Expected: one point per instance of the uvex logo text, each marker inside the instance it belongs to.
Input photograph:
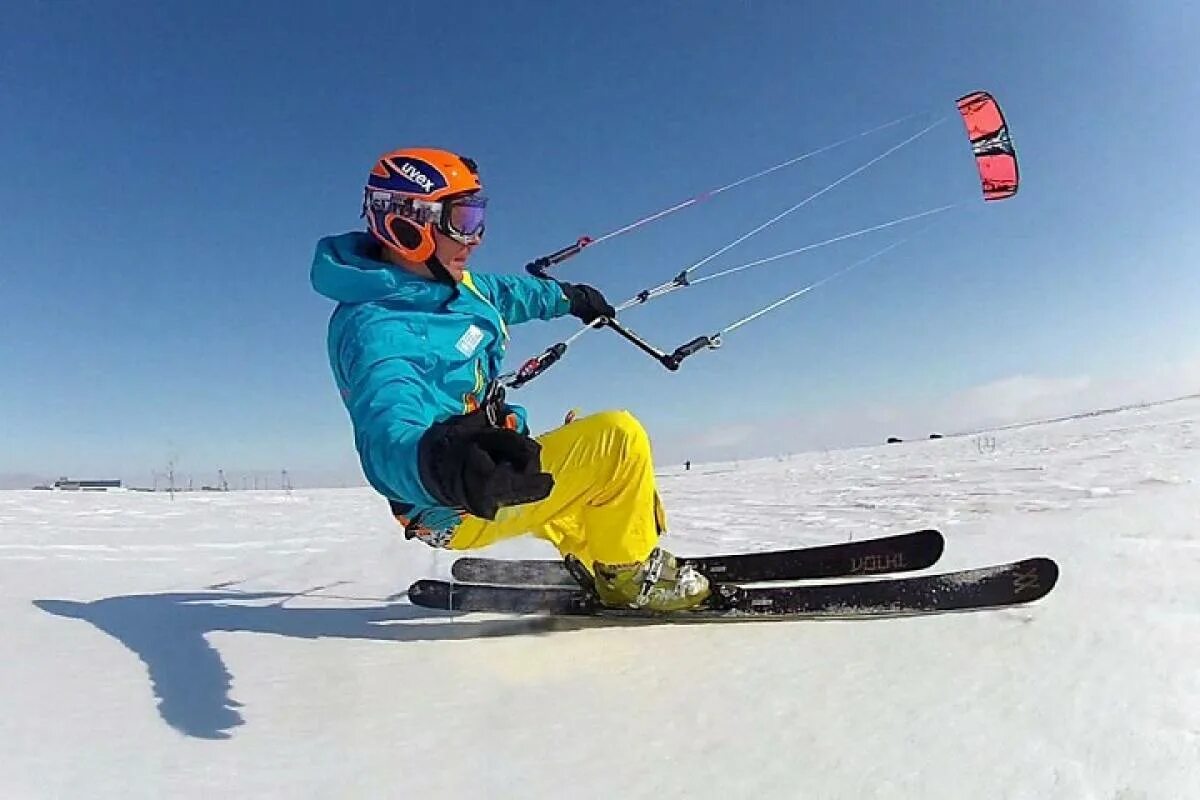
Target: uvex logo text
(416, 176)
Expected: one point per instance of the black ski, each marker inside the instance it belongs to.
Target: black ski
(966, 590)
(903, 552)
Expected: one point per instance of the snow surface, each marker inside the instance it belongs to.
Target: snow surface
(257, 644)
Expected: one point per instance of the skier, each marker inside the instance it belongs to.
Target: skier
(416, 343)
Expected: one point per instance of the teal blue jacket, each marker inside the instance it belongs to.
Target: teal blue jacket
(407, 352)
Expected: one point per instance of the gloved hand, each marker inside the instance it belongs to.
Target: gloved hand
(466, 463)
(587, 302)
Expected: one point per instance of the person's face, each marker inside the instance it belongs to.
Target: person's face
(452, 255)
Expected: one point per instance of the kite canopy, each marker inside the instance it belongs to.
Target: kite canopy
(995, 155)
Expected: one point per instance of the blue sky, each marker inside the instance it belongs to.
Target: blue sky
(168, 168)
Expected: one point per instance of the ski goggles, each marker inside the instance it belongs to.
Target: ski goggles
(460, 218)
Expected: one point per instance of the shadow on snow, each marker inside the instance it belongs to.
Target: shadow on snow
(187, 675)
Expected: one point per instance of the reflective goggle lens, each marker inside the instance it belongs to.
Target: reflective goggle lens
(465, 216)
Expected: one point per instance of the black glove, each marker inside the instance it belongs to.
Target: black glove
(587, 302)
(466, 463)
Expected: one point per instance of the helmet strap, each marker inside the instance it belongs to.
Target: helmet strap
(439, 271)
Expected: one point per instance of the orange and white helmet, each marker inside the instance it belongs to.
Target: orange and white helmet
(413, 190)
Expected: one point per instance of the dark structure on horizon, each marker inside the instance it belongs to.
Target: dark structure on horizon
(68, 485)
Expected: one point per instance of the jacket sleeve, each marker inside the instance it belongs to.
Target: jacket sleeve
(379, 376)
(520, 298)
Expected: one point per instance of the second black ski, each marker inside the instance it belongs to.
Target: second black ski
(903, 552)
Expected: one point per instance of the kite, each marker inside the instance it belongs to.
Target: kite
(995, 155)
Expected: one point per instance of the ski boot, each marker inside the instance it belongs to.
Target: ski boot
(659, 583)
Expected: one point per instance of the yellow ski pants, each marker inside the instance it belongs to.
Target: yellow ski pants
(604, 506)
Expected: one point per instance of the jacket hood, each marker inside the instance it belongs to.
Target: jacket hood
(346, 268)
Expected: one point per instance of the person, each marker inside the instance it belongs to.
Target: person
(416, 344)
